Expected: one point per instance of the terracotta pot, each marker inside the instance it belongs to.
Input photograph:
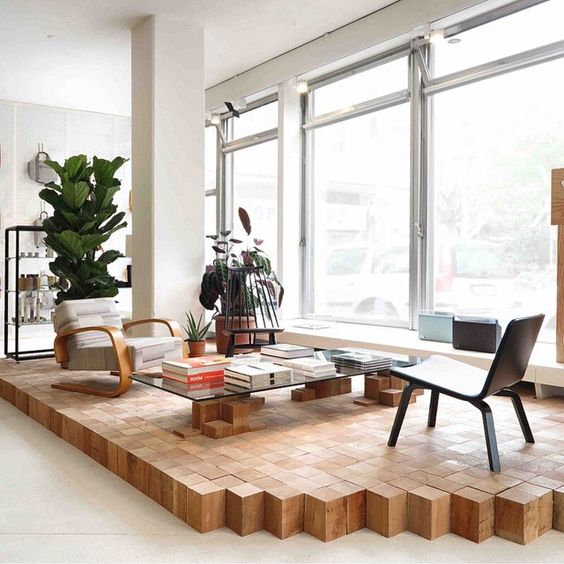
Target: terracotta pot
(222, 340)
(197, 348)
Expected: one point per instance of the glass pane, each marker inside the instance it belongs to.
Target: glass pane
(361, 217)
(527, 29)
(209, 225)
(210, 157)
(495, 144)
(255, 182)
(360, 87)
(255, 121)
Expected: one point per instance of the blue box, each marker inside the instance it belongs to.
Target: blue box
(436, 326)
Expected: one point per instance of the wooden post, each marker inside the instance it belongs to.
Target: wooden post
(557, 218)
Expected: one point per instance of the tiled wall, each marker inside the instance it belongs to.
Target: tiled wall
(63, 133)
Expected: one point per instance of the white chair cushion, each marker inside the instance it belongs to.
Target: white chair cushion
(447, 373)
(144, 352)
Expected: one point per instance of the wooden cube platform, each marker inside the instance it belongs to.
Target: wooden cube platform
(321, 467)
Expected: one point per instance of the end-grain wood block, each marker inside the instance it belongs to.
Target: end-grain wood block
(204, 411)
(254, 402)
(283, 511)
(428, 512)
(205, 507)
(325, 514)
(345, 385)
(397, 383)
(217, 429)
(326, 388)
(244, 509)
(374, 384)
(356, 505)
(237, 413)
(523, 513)
(558, 523)
(303, 394)
(365, 402)
(472, 514)
(386, 510)
(391, 397)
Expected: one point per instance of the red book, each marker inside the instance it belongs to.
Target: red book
(216, 376)
(195, 387)
(188, 366)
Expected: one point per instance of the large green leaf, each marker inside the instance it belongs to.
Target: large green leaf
(75, 167)
(58, 169)
(54, 199)
(75, 194)
(92, 242)
(108, 257)
(104, 170)
(70, 244)
(104, 196)
(113, 222)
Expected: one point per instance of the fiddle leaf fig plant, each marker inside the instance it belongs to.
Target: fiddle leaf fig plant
(84, 218)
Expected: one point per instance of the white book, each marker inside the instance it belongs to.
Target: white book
(284, 350)
(308, 374)
(311, 364)
(249, 371)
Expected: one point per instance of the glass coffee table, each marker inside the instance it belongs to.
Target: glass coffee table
(224, 410)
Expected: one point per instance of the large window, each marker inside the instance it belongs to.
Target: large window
(358, 260)
(210, 179)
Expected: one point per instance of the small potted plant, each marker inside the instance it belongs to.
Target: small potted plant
(196, 334)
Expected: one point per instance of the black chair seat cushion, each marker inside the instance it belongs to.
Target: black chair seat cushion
(446, 375)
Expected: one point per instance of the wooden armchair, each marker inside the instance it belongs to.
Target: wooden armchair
(91, 336)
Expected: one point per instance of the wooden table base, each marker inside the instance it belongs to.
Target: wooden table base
(382, 387)
(323, 389)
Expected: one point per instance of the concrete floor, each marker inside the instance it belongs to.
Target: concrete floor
(57, 505)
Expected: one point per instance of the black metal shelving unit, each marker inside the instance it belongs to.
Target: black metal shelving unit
(12, 242)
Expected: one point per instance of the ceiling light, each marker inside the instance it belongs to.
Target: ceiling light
(437, 35)
(51, 36)
(242, 104)
(301, 87)
(454, 40)
(215, 119)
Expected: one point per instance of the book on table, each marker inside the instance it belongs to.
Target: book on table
(202, 377)
(198, 365)
(362, 360)
(283, 350)
(308, 367)
(257, 375)
(193, 387)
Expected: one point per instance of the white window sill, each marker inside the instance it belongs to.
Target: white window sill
(543, 368)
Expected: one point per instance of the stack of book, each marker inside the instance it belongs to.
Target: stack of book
(274, 352)
(362, 360)
(257, 375)
(309, 367)
(193, 374)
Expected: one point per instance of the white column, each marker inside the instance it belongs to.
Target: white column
(167, 167)
(289, 197)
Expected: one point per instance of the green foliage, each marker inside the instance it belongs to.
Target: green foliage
(84, 218)
(196, 330)
(213, 289)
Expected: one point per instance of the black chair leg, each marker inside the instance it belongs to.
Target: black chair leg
(520, 412)
(400, 414)
(489, 431)
(272, 338)
(432, 419)
(230, 346)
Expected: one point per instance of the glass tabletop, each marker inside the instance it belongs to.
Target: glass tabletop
(203, 391)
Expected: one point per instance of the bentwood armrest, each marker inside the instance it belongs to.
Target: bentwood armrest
(123, 362)
(171, 325)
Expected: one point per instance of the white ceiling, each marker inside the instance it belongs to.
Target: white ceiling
(239, 33)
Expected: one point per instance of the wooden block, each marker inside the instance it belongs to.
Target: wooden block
(374, 384)
(303, 394)
(325, 514)
(179, 499)
(205, 507)
(99, 449)
(217, 429)
(558, 523)
(283, 511)
(356, 504)
(345, 386)
(418, 392)
(523, 513)
(391, 397)
(244, 509)
(386, 510)
(204, 411)
(237, 413)
(428, 512)
(557, 197)
(472, 514)
(365, 402)
(254, 402)
(397, 383)
(326, 388)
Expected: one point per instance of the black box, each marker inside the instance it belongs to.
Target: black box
(479, 334)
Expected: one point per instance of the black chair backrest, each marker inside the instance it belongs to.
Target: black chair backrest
(512, 356)
(250, 299)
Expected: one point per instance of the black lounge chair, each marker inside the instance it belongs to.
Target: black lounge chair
(443, 375)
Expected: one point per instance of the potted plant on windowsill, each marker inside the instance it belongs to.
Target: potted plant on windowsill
(213, 292)
(196, 332)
